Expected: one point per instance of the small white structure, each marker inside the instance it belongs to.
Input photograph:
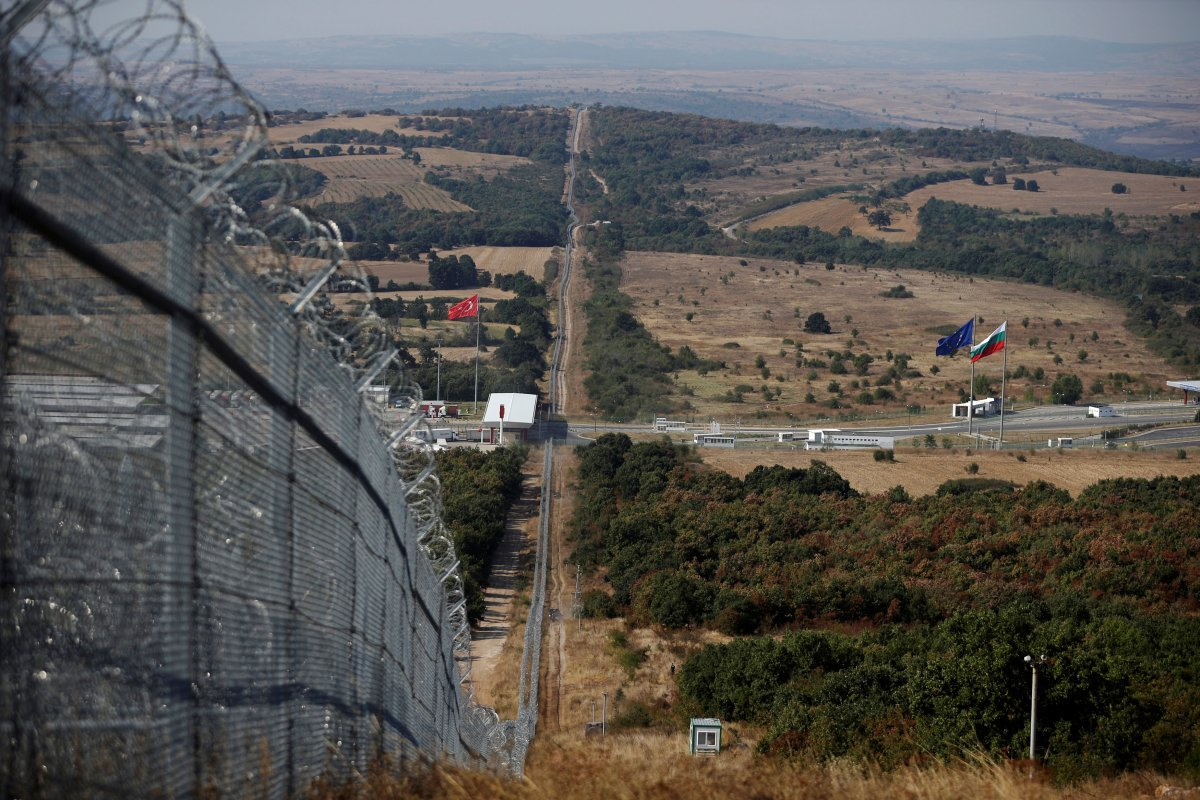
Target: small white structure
(713, 440)
(1063, 441)
(785, 436)
(1102, 410)
(663, 425)
(435, 435)
(509, 411)
(377, 394)
(836, 439)
(983, 407)
(705, 736)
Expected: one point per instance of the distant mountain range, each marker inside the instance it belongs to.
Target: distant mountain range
(1131, 98)
(704, 50)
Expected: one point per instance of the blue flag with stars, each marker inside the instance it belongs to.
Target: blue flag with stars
(960, 338)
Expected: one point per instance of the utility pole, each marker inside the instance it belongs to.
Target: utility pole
(604, 716)
(1033, 665)
(576, 605)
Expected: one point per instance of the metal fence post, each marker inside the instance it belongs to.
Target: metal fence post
(283, 363)
(180, 645)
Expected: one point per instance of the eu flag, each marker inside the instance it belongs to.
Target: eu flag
(960, 338)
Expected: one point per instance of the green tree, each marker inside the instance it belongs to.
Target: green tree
(880, 218)
(1067, 389)
(816, 323)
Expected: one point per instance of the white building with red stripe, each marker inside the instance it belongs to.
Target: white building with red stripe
(512, 413)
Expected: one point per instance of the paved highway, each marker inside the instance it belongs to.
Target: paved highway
(1061, 420)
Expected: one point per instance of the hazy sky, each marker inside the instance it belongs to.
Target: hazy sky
(1112, 20)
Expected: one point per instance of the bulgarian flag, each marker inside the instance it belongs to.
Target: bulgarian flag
(467, 308)
(992, 344)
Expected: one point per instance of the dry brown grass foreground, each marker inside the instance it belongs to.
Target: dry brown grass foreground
(651, 766)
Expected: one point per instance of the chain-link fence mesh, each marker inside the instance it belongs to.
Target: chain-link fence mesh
(222, 570)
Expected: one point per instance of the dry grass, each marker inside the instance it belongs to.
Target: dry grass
(833, 213)
(351, 177)
(508, 260)
(1074, 190)
(923, 471)
(737, 312)
(651, 767)
(1069, 190)
(486, 164)
(376, 123)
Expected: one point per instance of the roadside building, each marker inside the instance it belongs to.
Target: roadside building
(836, 439)
(983, 407)
(1191, 387)
(513, 413)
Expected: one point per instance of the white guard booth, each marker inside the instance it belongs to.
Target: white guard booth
(705, 736)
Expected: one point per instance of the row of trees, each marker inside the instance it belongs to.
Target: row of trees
(478, 489)
(452, 272)
(629, 370)
(288, 151)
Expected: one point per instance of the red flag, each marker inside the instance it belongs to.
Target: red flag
(467, 308)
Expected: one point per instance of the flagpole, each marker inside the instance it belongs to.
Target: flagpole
(478, 321)
(1003, 379)
(971, 403)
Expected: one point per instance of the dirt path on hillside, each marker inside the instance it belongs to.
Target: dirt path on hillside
(579, 288)
(559, 600)
(603, 183)
(490, 632)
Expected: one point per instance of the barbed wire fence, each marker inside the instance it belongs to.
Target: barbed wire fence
(513, 737)
(222, 562)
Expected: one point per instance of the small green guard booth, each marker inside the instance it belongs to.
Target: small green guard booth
(705, 736)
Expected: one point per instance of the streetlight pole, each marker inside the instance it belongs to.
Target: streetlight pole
(1033, 665)
(439, 371)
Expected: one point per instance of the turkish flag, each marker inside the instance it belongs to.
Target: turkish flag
(467, 308)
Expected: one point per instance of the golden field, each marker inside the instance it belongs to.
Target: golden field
(351, 177)
(508, 260)
(1067, 190)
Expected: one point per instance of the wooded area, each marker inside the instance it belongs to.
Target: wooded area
(951, 589)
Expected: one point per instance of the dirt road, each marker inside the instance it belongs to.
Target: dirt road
(490, 632)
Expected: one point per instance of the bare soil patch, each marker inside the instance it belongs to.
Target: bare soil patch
(922, 472)
(833, 213)
(764, 303)
(1067, 190)
(504, 577)
(508, 260)
(1074, 190)
(351, 177)
(376, 123)
(486, 164)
